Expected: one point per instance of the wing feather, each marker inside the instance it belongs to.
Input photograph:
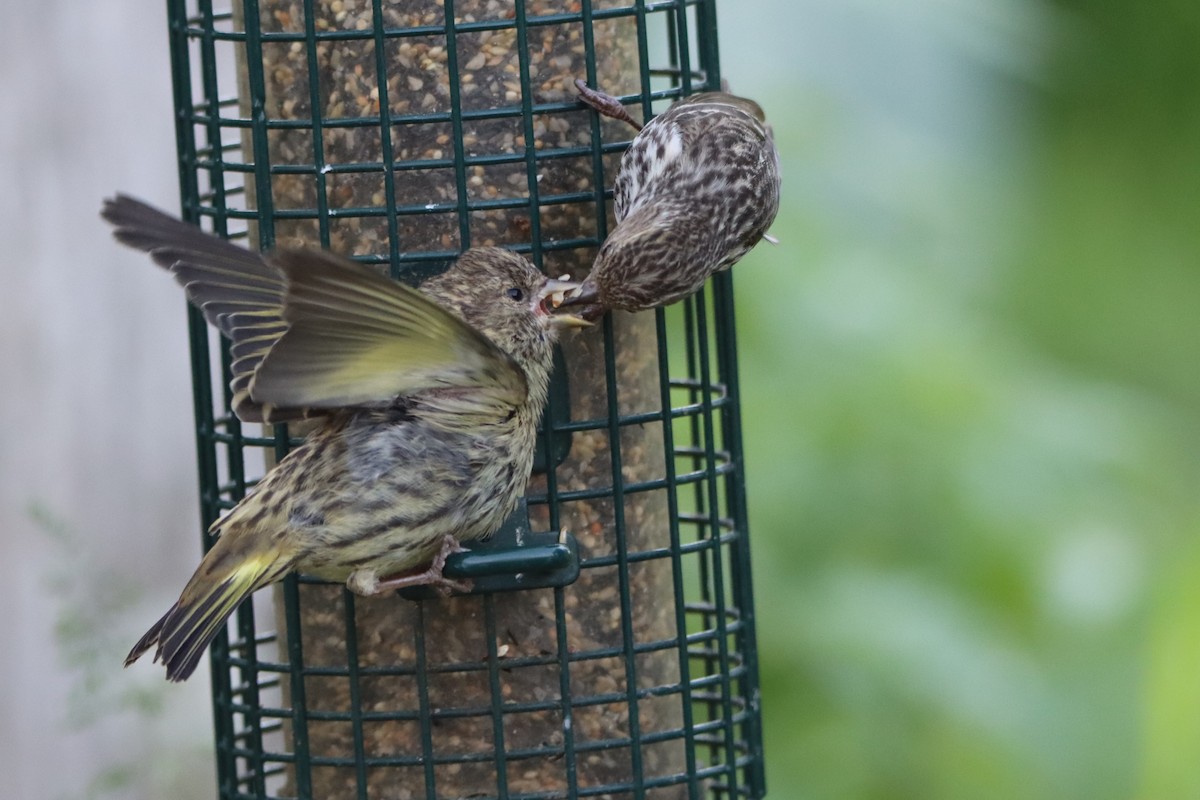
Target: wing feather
(355, 337)
(235, 289)
(312, 332)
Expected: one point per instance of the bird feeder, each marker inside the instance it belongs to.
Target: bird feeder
(608, 647)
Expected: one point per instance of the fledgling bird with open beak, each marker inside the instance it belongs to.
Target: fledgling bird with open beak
(427, 406)
(695, 191)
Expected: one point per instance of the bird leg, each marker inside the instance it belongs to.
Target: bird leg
(604, 103)
(432, 576)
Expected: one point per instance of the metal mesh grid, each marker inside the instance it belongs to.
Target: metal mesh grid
(282, 139)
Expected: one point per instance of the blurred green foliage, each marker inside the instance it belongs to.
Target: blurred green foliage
(973, 440)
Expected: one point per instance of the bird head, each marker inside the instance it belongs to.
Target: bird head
(504, 297)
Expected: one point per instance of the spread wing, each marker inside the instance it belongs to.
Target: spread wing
(313, 332)
(357, 338)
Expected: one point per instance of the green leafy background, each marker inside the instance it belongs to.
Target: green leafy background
(971, 382)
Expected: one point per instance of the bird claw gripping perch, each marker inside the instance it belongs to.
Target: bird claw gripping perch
(432, 576)
(604, 103)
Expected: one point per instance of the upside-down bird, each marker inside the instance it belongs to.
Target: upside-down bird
(695, 191)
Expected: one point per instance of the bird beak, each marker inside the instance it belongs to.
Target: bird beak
(584, 302)
(552, 297)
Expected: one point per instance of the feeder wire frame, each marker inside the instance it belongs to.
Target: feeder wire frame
(715, 640)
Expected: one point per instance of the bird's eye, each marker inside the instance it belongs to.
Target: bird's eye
(516, 294)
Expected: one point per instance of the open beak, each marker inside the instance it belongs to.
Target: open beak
(552, 297)
(583, 302)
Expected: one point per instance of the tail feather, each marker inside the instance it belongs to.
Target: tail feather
(186, 630)
(149, 640)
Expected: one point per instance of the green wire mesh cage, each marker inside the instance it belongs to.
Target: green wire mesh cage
(402, 132)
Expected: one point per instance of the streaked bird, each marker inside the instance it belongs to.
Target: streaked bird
(426, 405)
(695, 191)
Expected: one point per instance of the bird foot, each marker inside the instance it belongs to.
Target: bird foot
(604, 103)
(431, 576)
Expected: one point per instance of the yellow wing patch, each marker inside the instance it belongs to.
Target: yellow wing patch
(355, 337)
